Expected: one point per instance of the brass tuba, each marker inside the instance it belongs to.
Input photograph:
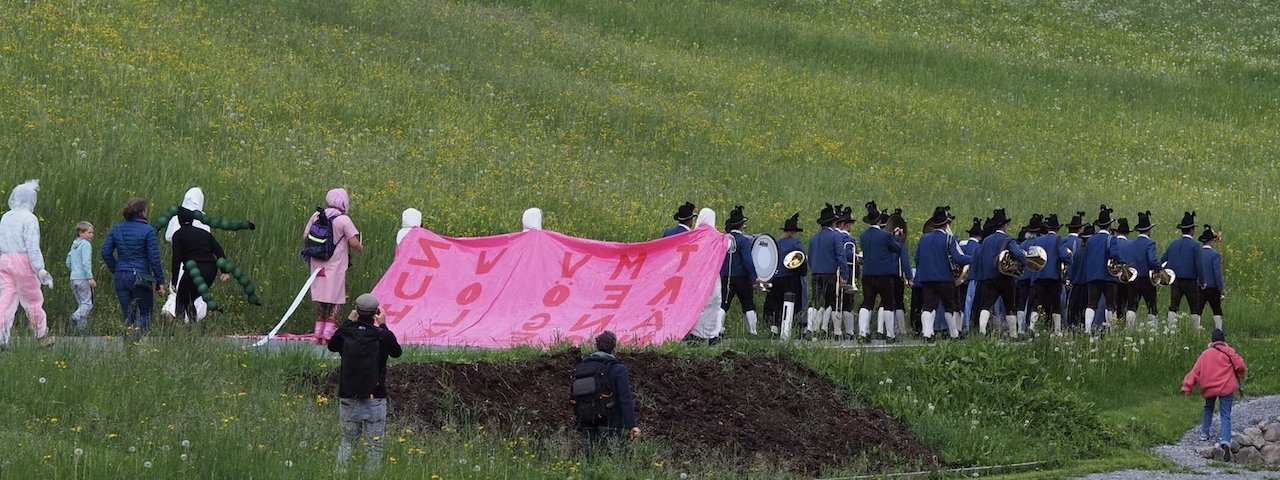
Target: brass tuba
(793, 260)
(1163, 277)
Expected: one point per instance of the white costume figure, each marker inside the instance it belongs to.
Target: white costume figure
(410, 219)
(194, 201)
(707, 327)
(22, 265)
(532, 219)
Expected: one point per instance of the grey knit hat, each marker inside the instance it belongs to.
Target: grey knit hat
(367, 303)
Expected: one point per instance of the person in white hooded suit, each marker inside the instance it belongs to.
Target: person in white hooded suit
(193, 200)
(410, 219)
(22, 265)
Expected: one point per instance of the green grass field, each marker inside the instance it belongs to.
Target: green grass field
(607, 115)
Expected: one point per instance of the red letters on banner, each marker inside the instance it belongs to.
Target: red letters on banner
(403, 295)
(627, 262)
(428, 247)
(555, 296)
(670, 288)
(566, 270)
(617, 295)
(483, 267)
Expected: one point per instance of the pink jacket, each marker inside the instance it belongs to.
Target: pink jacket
(1214, 371)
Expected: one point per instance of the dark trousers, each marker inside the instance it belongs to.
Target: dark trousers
(773, 300)
(934, 292)
(602, 440)
(1046, 296)
(1122, 296)
(822, 290)
(185, 307)
(1212, 297)
(737, 287)
(998, 288)
(1184, 287)
(1099, 289)
(1142, 288)
(136, 301)
(1021, 296)
(877, 286)
(899, 294)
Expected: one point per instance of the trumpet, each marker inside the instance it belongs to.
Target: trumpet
(793, 260)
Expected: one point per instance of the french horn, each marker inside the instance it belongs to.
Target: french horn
(1163, 277)
(1122, 271)
(793, 260)
(1009, 265)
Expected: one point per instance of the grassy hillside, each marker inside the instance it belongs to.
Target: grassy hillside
(607, 115)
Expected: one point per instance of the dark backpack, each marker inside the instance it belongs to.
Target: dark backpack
(591, 393)
(361, 359)
(319, 243)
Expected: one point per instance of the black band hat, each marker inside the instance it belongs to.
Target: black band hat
(1051, 223)
(998, 218)
(1104, 217)
(1077, 221)
(1208, 235)
(939, 219)
(1144, 222)
(1122, 226)
(792, 224)
(826, 216)
(685, 212)
(1036, 225)
(976, 228)
(873, 213)
(736, 218)
(1188, 220)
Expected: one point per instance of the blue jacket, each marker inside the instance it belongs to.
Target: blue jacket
(677, 229)
(880, 253)
(620, 383)
(1183, 256)
(1056, 251)
(1141, 254)
(934, 256)
(904, 259)
(131, 247)
(1211, 268)
(984, 267)
(739, 262)
(1101, 246)
(827, 253)
(1075, 265)
(785, 246)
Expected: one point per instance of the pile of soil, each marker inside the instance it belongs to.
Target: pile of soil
(758, 407)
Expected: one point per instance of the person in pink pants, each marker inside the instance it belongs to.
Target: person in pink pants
(21, 265)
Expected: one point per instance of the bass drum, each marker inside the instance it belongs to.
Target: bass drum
(764, 254)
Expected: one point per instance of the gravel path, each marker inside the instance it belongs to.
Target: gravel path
(1185, 453)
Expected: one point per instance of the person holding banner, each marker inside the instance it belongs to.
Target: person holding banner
(684, 220)
(787, 279)
(738, 273)
(329, 290)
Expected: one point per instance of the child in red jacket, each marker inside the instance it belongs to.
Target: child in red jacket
(1218, 371)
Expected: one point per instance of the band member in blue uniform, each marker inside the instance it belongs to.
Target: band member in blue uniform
(1140, 253)
(843, 324)
(968, 290)
(1212, 287)
(995, 285)
(936, 255)
(1183, 257)
(684, 220)
(786, 280)
(898, 227)
(738, 273)
(827, 258)
(880, 267)
(1121, 305)
(1046, 284)
(1022, 285)
(1100, 248)
(1075, 282)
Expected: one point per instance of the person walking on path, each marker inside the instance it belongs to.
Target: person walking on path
(1218, 371)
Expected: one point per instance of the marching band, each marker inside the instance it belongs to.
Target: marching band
(1094, 277)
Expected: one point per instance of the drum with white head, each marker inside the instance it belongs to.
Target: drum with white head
(764, 254)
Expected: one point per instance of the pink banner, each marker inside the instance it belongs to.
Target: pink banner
(539, 287)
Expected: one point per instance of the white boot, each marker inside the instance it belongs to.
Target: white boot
(1217, 322)
(953, 325)
(1012, 322)
(1022, 319)
(1088, 319)
(900, 322)
(1057, 323)
(1130, 318)
(1173, 322)
(864, 322)
(720, 322)
(810, 319)
(1032, 321)
(824, 316)
(889, 329)
(850, 323)
(926, 324)
(983, 318)
(1108, 315)
(880, 322)
(837, 324)
(1195, 322)
(751, 322)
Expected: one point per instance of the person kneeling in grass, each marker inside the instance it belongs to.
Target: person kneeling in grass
(364, 344)
(1218, 371)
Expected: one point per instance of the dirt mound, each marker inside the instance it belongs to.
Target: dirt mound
(758, 407)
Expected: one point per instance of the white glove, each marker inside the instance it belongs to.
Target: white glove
(45, 278)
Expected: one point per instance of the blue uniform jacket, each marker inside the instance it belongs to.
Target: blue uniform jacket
(1141, 254)
(131, 247)
(984, 266)
(1211, 268)
(785, 246)
(827, 253)
(739, 262)
(880, 253)
(904, 259)
(1183, 256)
(1101, 246)
(677, 229)
(1056, 250)
(1075, 267)
(934, 255)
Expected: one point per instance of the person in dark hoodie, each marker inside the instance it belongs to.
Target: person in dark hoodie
(608, 431)
(364, 343)
(192, 243)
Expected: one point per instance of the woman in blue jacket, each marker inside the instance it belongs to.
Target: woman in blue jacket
(132, 255)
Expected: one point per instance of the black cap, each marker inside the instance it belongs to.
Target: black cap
(1188, 220)
(873, 214)
(976, 228)
(1218, 335)
(1144, 221)
(1104, 217)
